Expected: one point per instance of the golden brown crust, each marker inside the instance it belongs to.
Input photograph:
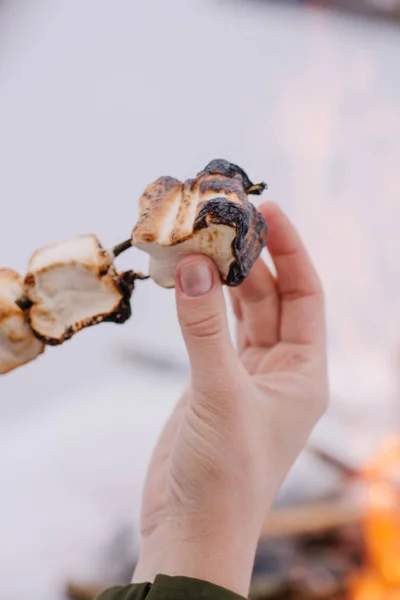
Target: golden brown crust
(10, 289)
(6, 366)
(9, 274)
(155, 202)
(211, 185)
(119, 313)
(80, 271)
(18, 344)
(104, 258)
(172, 213)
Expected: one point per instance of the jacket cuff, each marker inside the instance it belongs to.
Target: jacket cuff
(186, 588)
(137, 591)
(170, 588)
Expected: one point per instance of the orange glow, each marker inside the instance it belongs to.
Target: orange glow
(368, 586)
(380, 580)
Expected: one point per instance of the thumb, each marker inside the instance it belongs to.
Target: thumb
(202, 317)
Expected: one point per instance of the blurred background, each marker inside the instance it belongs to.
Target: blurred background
(97, 99)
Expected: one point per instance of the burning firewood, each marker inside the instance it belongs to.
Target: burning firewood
(311, 519)
(351, 473)
(18, 344)
(74, 284)
(209, 214)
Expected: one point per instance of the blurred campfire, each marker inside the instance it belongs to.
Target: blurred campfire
(379, 579)
(346, 547)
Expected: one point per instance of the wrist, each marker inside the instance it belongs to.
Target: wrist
(222, 559)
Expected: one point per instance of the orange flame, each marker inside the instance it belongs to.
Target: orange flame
(380, 580)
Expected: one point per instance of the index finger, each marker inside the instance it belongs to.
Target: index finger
(299, 287)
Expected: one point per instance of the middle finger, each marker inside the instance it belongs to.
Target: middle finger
(257, 302)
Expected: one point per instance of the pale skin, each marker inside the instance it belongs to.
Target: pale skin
(249, 411)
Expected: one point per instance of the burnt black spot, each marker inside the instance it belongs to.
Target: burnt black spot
(121, 315)
(261, 227)
(221, 211)
(218, 185)
(24, 303)
(48, 341)
(126, 284)
(251, 249)
(219, 166)
(124, 310)
(250, 238)
(236, 275)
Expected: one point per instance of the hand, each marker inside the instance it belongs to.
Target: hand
(235, 433)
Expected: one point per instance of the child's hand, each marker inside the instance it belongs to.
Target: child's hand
(236, 432)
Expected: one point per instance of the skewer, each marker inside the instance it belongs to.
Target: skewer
(117, 250)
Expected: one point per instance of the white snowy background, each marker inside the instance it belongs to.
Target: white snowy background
(96, 100)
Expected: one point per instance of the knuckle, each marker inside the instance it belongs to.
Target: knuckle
(207, 326)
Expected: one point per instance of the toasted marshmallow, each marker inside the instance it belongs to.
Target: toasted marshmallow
(209, 215)
(73, 285)
(18, 345)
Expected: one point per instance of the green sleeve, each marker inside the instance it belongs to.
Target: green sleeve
(170, 588)
(137, 591)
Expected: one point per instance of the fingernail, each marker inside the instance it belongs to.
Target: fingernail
(196, 279)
